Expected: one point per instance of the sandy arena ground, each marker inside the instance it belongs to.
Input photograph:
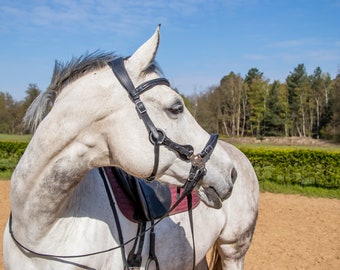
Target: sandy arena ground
(293, 232)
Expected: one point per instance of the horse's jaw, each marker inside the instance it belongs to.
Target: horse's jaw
(209, 196)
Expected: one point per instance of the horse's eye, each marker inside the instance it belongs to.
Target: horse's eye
(176, 109)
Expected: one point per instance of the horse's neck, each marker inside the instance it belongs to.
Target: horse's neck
(45, 178)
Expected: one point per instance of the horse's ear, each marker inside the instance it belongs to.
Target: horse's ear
(145, 54)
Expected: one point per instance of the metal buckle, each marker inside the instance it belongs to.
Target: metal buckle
(197, 160)
(140, 107)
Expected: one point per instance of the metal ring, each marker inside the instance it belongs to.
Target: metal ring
(160, 138)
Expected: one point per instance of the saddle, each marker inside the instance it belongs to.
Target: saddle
(151, 199)
(140, 200)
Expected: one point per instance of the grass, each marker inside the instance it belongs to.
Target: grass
(297, 144)
(15, 138)
(327, 148)
(267, 186)
(289, 147)
(4, 176)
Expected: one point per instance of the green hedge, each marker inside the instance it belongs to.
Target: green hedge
(10, 153)
(307, 167)
(297, 167)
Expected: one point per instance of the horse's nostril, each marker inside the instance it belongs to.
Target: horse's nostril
(233, 175)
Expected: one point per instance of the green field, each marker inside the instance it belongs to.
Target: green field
(15, 138)
(288, 147)
(284, 143)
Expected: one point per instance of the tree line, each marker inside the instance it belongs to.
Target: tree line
(304, 105)
(12, 111)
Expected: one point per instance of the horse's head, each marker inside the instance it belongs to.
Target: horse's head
(155, 135)
(100, 117)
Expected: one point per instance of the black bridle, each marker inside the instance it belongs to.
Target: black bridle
(157, 136)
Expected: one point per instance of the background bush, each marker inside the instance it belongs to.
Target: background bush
(297, 167)
(10, 153)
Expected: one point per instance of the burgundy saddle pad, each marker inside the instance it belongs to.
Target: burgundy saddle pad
(128, 206)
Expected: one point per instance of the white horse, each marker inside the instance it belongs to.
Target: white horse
(85, 120)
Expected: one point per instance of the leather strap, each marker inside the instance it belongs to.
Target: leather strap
(119, 70)
(152, 253)
(198, 170)
(191, 220)
(135, 256)
(115, 214)
(149, 84)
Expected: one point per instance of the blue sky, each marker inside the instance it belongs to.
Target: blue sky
(201, 41)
